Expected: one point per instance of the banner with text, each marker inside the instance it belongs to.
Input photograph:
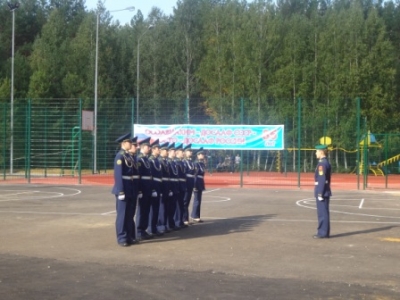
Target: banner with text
(234, 137)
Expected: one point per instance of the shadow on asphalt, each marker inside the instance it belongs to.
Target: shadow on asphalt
(362, 231)
(215, 228)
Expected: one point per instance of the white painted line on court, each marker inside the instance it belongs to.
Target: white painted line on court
(269, 219)
(50, 195)
(16, 194)
(300, 203)
(40, 197)
(77, 192)
(109, 213)
(48, 213)
(209, 191)
(311, 202)
(223, 199)
(361, 204)
(7, 196)
(335, 221)
(378, 208)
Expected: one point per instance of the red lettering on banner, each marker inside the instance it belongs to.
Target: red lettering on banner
(270, 134)
(183, 131)
(158, 132)
(231, 141)
(200, 141)
(216, 132)
(243, 132)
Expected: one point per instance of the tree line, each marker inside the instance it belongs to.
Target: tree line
(212, 53)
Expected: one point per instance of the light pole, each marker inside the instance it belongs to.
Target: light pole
(12, 7)
(96, 72)
(138, 72)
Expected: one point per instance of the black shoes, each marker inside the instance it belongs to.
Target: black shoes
(145, 236)
(320, 237)
(127, 244)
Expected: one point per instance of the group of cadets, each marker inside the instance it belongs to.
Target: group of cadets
(157, 186)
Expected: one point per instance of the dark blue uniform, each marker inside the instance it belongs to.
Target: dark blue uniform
(125, 191)
(165, 191)
(199, 187)
(178, 217)
(136, 188)
(323, 191)
(156, 171)
(173, 199)
(190, 173)
(146, 188)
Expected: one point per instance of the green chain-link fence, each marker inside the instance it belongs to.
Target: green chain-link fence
(47, 141)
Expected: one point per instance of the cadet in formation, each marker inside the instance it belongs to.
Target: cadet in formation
(165, 190)
(135, 182)
(160, 186)
(190, 174)
(174, 186)
(322, 192)
(156, 192)
(125, 191)
(181, 168)
(146, 191)
(199, 185)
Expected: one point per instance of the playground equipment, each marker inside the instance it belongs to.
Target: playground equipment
(369, 149)
(279, 162)
(375, 168)
(389, 161)
(368, 141)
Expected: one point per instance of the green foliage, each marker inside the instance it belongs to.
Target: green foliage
(5, 88)
(213, 53)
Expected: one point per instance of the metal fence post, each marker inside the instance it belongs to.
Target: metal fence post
(187, 111)
(80, 144)
(133, 116)
(298, 141)
(386, 158)
(105, 139)
(29, 140)
(63, 150)
(241, 151)
(248, 151)
(358, 142)
(4, 138)
(45, 141)
(365, 155)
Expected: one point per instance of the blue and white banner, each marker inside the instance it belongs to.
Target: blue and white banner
(234, 137)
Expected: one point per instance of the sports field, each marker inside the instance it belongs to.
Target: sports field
(58, 242)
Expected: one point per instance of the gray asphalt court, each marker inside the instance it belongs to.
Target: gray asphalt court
(58, 242)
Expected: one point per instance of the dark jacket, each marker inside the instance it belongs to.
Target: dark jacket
(323, 178)
(126, 175)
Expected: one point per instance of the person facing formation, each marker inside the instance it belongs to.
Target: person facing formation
(322, 192)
